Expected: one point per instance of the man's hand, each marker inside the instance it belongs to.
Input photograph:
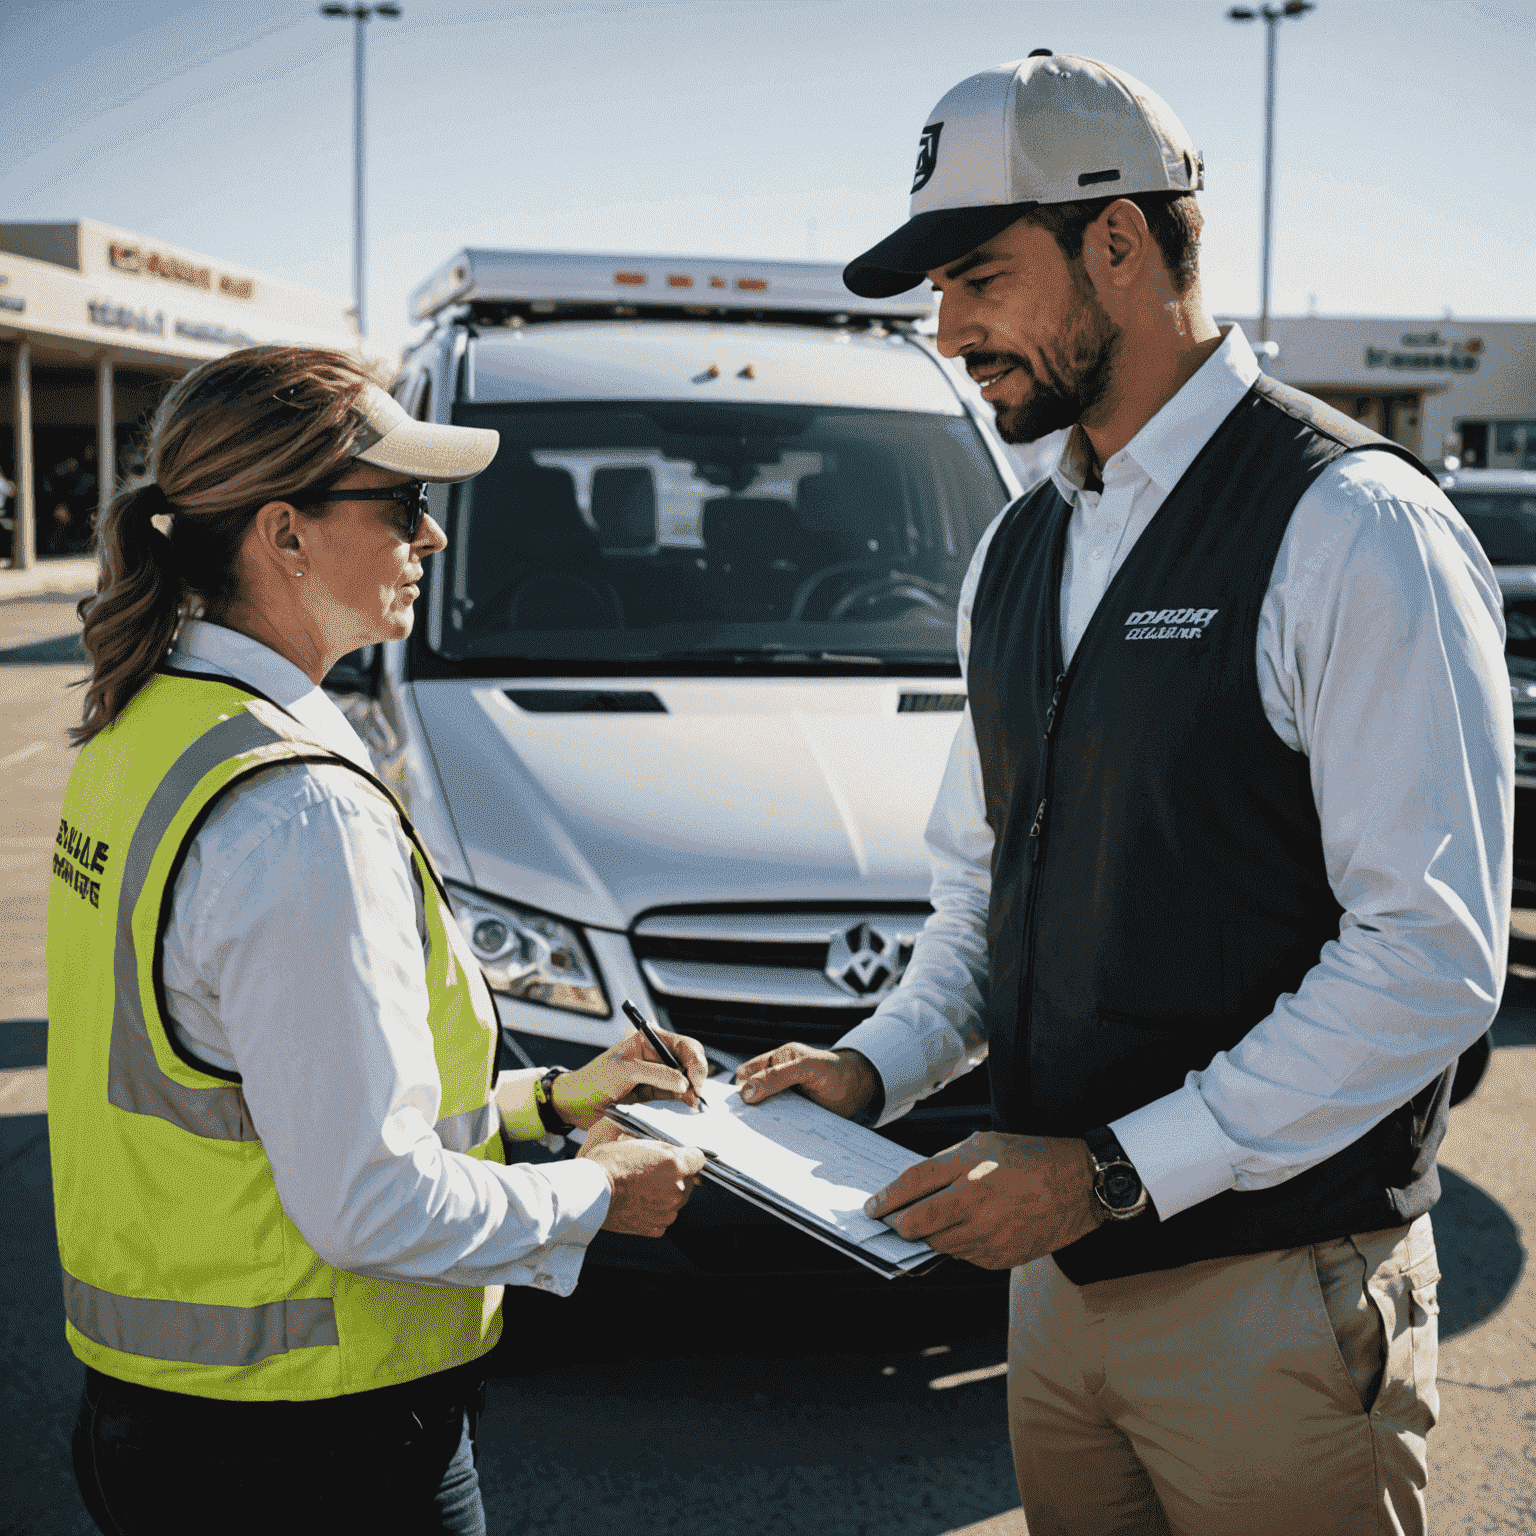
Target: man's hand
(843, 1081)
(629, 1073)
(995, 1200)
(648, 1182)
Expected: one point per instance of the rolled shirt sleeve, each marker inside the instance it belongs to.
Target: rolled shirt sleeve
(1381, 658)
(298, 931)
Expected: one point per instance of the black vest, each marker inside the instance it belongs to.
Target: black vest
(1158, 877)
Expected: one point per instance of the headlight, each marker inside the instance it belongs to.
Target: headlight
(529, 956)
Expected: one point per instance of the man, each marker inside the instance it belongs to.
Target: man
(1221, 858)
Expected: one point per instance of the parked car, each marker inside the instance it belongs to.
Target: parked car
(1500, 508)
(683, 684)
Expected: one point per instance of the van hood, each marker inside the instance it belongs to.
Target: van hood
(774, 790)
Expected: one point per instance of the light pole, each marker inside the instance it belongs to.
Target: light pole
(1271, 15)
(359, 15)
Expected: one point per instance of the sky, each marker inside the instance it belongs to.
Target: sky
(767, 128)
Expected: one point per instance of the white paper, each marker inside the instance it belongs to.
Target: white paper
(807, 1156)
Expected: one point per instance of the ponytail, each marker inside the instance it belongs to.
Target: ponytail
(132, 619)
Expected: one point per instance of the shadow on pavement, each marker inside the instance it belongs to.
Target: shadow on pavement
(44, 653)
(1481, 1255)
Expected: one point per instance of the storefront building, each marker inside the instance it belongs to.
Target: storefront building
(95, 323)
(1462, 389)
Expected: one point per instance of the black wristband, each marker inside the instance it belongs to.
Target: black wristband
(544, 1102)
(1105, 1146)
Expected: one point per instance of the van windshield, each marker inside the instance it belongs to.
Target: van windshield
(674, 536)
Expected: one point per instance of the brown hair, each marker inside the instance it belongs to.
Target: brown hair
(262, 424)
(1173, 219)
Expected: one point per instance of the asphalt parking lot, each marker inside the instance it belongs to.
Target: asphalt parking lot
(772, 1414)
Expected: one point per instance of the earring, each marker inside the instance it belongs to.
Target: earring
(298, 573)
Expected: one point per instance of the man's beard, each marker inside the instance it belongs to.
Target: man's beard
(1077, 364)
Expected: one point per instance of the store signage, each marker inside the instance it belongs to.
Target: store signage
(129, 258)
(1427, 352)
(125, 319)
(216, 335)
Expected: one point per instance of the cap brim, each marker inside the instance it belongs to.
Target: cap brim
(929, 240)
(424, 450)
(434, 451)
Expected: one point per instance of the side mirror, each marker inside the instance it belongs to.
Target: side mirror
(357, 672)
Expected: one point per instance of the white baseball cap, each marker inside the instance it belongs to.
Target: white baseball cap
(425, 450)
(1052, 128)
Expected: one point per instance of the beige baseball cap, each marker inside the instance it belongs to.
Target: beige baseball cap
(1052, 128)
(425, 450)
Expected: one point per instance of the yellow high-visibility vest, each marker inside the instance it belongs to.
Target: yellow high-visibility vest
(181, 1269)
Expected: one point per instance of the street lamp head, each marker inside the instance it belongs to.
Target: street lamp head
(334, 10)
(1240, 13)
(388, 10)
(1299, 7)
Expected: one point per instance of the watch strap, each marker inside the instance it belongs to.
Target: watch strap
(1104, 1146)
(1107, 1154)
(544, 1102)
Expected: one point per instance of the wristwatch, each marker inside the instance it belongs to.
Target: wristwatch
(1116, 1184)
(544, 1102)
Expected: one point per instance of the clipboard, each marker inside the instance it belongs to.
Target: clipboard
(801, 1163)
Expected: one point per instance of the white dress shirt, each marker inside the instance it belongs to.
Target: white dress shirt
(1380, 658)
(293, 958)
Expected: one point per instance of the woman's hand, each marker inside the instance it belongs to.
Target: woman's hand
(648, 1183)
(629, 1073)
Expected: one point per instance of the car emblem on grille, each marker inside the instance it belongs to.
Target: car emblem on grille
(864, 962)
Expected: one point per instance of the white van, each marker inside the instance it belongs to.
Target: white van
(683, 684)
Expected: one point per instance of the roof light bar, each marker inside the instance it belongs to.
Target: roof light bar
(549, 279)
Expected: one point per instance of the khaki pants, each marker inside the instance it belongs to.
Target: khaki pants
(1286, 1392)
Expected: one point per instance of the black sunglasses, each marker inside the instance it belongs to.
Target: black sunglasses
(412, 495)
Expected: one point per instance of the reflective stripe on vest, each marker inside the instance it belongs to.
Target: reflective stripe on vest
(462, 1133)
(134, 1079)
(198, 1332)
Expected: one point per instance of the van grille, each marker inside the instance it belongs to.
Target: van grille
(744, 982)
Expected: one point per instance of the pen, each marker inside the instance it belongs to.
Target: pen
(659, 1045)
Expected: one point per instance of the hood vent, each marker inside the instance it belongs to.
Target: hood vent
(927, 703)
(586, 701)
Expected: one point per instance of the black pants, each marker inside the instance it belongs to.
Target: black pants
(399, 1460)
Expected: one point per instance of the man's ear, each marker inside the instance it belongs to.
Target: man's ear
(1116, 246)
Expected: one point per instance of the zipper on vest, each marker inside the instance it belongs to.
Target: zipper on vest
(1034, 834)
(1050, 719)
(1037, 827)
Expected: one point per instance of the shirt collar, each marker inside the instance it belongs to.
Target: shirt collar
(202, 646)
(1166, 446)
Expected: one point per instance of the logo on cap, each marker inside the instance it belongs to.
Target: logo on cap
(927, 156)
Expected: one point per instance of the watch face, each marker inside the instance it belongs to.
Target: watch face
(1121, 1186)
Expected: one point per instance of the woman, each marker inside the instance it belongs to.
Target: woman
(284, 1215)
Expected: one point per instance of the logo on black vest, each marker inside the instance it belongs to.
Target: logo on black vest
(1169, 623)
(927, 156)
